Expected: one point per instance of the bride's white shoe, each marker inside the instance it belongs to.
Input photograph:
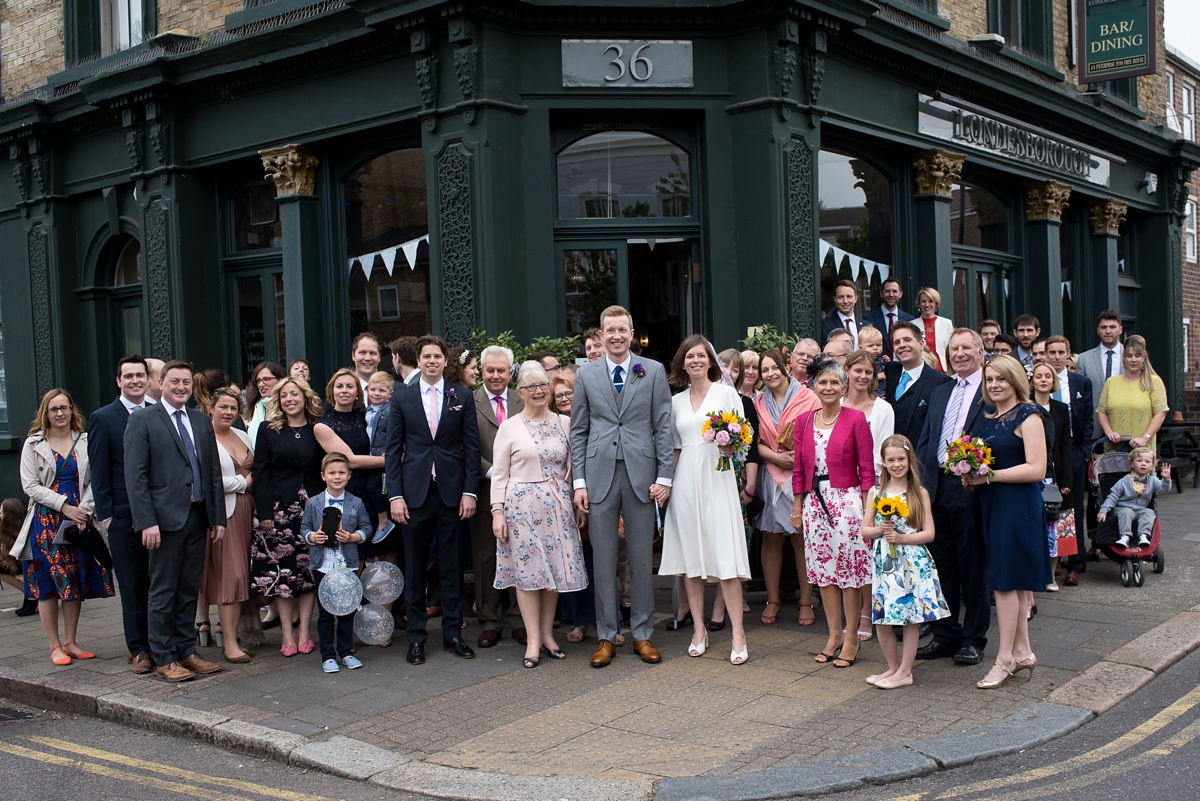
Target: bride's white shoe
(698, 650)
(740, 657)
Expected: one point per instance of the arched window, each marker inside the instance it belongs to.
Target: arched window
(856, 221)
(978, 218)
(126, 281)
(623, 174)
(387, 240)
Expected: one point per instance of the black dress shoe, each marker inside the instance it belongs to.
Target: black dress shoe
(936, 650)
(416, 654)
(968, 655)
(458, 648)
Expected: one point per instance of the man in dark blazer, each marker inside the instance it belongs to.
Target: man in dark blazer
(106, 455)
(888, 312)
(432, 466)
(957, 549)
(494, 403)
(910, 382)
(1078, 396)
(842, 315)
(173, 477)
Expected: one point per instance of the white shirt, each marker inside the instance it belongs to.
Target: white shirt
(1118, 352)
(849, 324)
(1064, 395)
(431, 401)
(187, 423)
(413, 377)
(130, 406)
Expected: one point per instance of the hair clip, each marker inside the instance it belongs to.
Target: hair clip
(465, 357)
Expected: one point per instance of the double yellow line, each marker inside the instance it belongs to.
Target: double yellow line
(181, 781)
(1135, 737)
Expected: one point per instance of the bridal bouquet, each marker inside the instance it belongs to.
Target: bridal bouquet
(727, 428)
(967, 455)
(892, 509)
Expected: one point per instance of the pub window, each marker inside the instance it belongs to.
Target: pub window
(623, 174)
(856, 221)
(1024, 24)
(1123, 89)
(1189, 230)
(978, 218)
(387, 241)
(256, 217)
(120, 24)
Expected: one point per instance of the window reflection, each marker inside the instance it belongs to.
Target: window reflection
(623, 174)
(591, 286)
(856, 217)
(256, 217)
(978, 218)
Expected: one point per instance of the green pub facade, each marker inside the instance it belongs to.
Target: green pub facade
(313, 171)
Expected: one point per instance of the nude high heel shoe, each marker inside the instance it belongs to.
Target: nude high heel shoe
(991, 684)
(1028, 663)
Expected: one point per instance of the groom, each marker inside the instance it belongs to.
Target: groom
(622, 457)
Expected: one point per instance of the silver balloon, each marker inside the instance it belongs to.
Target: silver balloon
(382, 582)
(373, 624)
(340, 592)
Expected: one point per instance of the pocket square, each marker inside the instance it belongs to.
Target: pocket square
(922, 403)
(1078, 396)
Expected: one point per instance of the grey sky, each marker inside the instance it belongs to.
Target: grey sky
(1183, 26)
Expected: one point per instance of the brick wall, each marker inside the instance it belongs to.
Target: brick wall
(197, 17)
(967, 18)
(31, 44)
(1186, 74)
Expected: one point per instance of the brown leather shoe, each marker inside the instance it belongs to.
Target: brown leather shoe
(646, 650)
(1072, 579)
(488, 638)
(175, 672)
(603, 654)
(433, 611)
(197, 665)
(521, 636)
(142, 663)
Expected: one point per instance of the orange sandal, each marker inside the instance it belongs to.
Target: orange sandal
(769, 620)
(811, 620)
(66, 659)
(82, 653)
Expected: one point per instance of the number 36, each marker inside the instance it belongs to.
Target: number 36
(646, 66)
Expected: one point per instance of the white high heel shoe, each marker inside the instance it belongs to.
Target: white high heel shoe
(739, 657)
(698, 650)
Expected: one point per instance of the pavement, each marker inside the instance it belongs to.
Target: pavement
(687, 728)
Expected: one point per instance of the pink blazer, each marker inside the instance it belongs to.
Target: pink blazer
(515, 458)
(849, 453)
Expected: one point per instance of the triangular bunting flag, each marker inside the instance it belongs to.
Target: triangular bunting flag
(410, 251)
(389, 258)
(368, 265)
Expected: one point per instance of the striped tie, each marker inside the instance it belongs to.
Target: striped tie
(950, 428)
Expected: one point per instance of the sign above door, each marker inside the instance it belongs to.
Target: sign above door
(627, 63)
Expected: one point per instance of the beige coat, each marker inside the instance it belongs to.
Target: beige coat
(37, 476)
(515, 458)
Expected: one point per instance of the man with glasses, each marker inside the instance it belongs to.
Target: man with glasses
(547, 360)
(494, 403)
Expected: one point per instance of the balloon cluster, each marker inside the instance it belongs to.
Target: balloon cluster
(342, 593)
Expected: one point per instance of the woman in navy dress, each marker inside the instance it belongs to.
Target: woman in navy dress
(1013, 520)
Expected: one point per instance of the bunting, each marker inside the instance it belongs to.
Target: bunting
(367, 260)
(857, 263)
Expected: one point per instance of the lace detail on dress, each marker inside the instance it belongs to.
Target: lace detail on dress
(1015, 416)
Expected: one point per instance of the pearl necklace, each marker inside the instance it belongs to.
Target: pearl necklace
(830, 422)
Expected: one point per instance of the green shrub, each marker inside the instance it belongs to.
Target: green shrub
(767, 336)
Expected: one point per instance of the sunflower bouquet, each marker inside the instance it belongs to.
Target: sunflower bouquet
(968, 455)
(728, 429)
(892, 509)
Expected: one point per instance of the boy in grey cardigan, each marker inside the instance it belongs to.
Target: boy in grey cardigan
(328, 552)
(1131, 497)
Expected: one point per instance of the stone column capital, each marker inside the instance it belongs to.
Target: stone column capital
(293, 168)
(937, 170)
(1106, 216)
(1045, 200)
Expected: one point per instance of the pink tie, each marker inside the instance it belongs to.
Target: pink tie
(499, 410)
(433, 420)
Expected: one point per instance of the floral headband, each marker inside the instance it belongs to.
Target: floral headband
(465, 357)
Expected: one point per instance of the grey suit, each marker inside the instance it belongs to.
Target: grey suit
(620, 445)
(158, 475)
(1091, 365)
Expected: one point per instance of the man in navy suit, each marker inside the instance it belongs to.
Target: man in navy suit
(845, 297)
(957, 549)
(910, 382)
(1075, 390)
(106, 455)
(432, 465)
(888, 313)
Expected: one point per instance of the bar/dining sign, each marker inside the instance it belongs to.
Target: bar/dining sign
(1117, 39)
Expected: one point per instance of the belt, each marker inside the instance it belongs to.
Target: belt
(197, 504)
(816, 488)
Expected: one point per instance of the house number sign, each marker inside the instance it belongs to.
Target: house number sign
(657, 63)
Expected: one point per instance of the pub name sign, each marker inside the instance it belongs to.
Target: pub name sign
(1117, 39)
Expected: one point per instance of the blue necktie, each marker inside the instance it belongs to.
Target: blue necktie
(905, 380)
(618, 380)
(1108, 366)
(190, 449)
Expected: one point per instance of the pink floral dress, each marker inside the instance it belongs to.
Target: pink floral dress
(834, 548)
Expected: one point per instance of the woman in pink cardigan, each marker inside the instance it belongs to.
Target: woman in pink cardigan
(538, 550)
(834, 466)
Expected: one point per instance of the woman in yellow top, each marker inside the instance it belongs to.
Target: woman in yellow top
(1133, 405)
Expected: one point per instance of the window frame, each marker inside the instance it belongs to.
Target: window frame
(83, 28)
(1171, 114)
(1037, 41)
(1189, 230)
(394, 289)
(1187, 116)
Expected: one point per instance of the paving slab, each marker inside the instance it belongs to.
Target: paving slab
(345, 756)
(1163, 645)
(1102, 686)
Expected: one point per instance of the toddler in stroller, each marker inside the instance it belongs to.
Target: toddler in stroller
(1132, 496)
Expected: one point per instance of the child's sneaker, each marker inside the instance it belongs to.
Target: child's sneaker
(1123, 541)
(1144, 541)
(330, 666)
(351, 662)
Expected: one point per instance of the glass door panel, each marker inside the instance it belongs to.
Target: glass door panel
(660, 294)
(260, 333)
(592, 280)
(280, 321)
(130, 324)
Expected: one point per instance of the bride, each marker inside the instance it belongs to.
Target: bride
(703, 536)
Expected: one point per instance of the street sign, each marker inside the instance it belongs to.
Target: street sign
(1117, 39)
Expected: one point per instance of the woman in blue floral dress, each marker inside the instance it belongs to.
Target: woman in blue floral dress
(538, 550)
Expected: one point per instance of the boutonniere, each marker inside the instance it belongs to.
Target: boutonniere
(639, 371)
(452, 396)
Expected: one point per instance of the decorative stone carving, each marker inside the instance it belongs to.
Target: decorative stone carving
(1106, 216)
(460, 29)
(160, 142)
(465, 59)
(293, 168)
(427, 80)
(456, 242)
(871, 181)
(937, 171)
(39, 167)
(814, 74)
(158, 280)
(133, 143)
(39, 287)
(19, 176)
(1045, 200)
(785, 68)
(1177, 190)
(802, 266)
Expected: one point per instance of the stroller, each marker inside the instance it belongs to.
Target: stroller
(1104, 472)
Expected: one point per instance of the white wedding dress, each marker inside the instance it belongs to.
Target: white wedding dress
(704, 536)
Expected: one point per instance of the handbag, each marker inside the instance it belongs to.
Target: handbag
(1051, 501)
(89, 540)
(1065, 528)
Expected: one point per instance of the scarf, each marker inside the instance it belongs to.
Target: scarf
(773, 417)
